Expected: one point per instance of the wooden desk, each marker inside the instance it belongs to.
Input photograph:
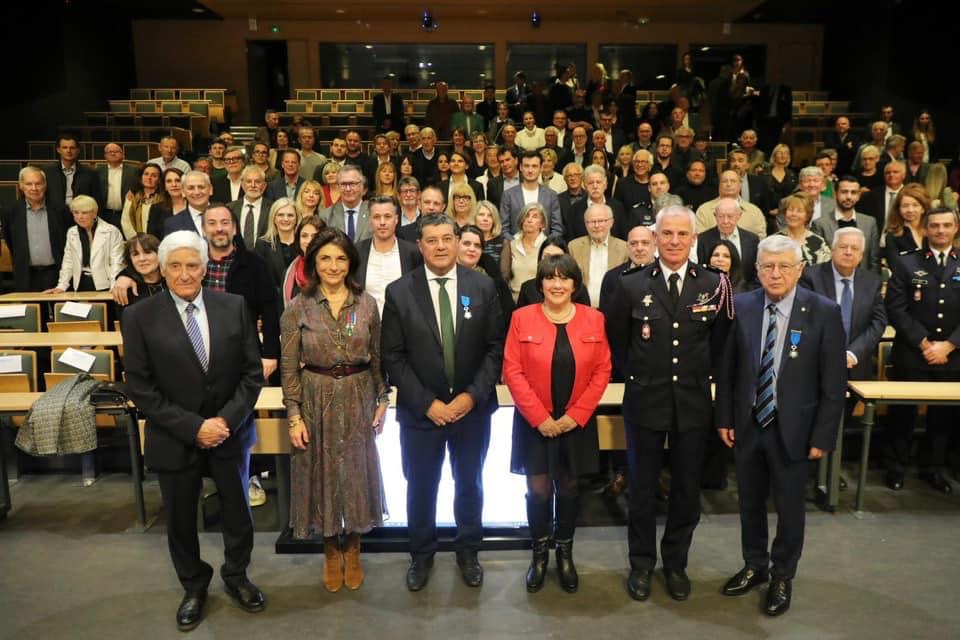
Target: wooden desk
(24, 339)
(72, 296)
(891, 393)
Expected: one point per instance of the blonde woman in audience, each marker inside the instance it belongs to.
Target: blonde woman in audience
(496, 243)
(331, 190)
(925, 133)
(386, 180)
(525, 247)
(783, 179)
(135, 217)
(623, 167)
(309, 200)
(463, 204)
(393, 138)
(93, 254)
(936, 185)
(278, 246)
(548, 175)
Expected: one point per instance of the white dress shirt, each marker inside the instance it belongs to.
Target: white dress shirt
(114, 182)
(200, 315)
(667, 272)
(598, 268)
(783, 309)
(382, 269)
(197, 217)
(530, 197)
(735, 239)
(245, 211)
(450, 287)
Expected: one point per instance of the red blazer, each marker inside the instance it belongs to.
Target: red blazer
(528, 355)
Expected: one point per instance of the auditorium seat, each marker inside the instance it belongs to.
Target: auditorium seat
(164, 94)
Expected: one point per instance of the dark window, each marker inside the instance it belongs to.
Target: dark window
(653, 65)
(541, 61)
(412, 66)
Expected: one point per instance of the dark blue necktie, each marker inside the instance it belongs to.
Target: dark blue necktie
(846, 306)
(351, 224)
(766, 409)
(196, 336)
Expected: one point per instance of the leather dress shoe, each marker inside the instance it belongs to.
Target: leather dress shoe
(419, 573)
(247, 595)
(745, 581)
(894, 479)
(638, 583)
(678, 584)
(470, 569)
(190, 611)
(778, 597)
(617, 486)
(936, 480)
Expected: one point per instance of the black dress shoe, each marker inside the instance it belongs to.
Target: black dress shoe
(678, 584)
(894, 479)
(470, 569)
(746, 580)
(190, 611)
(247, 595)
(936, 480)
(778, 597)
(638, 583)
(419, 573)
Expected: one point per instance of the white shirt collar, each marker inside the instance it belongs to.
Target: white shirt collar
(182, 304)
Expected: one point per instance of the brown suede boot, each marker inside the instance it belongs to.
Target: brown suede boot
(332, 565)
(352, 570)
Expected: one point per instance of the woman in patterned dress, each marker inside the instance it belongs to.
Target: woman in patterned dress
(336, 401)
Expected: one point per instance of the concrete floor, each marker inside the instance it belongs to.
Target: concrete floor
(69, 569)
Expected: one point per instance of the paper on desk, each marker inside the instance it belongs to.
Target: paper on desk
(77, 359)
(76, 309)
(11, 364)
(13, 311)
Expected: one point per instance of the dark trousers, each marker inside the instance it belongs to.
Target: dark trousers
(181, 493)
(940, 426)
(761, 470)
(644, 460)
(422, 452)
(43, 278)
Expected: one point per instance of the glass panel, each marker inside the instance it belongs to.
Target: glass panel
(411, 66)
(708, 58)
(653, 66)
(541, 61)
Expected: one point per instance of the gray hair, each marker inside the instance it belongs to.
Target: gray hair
(806, 172)
(182, 240)
(673, 212)
(32, 169)
(894, 140)
(197, 174)
(252, 168)
(869, 149)
(848, 231)
(347, 168)
(607, 211)
(779, 244)
(83, 204)
(571, 166)
(594, 170)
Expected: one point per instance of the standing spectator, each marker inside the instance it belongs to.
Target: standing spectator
(117, 180)
(530, 190)
(844, 142)
(310, 160)
(440, 109)
(93, 254)
(466, 119)
(516, 95)
(384, 257)
(69, 178)
(267, 134)
(295, 278)
(169, 148)
(135, 216)
(925, 133)
(388, 108)
(277, 247)
(797, 213)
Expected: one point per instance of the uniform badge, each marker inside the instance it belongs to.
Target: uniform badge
(795, 335)
(647, 300)
(703, 297)
(465, 301)
(922, 273)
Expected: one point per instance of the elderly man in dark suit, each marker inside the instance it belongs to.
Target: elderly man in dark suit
(388, 108)
(728, 214)
(116, 181)
(384, 257)
(780, 396)
(197, 189)
(666, 324)
(36, 232)
(193, 369)
(442, 346)
(69, 178)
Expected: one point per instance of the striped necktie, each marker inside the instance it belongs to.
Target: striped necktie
(765, 408)
(196, 338)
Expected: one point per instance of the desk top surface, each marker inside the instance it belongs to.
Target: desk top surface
(72, 296)
(889, 390)
(20, 339)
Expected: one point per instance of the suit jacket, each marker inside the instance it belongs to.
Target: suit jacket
(181, 221)
(494, 191)
(810, 387)
(236, 207)
(426, 170)
(85, 182)
(527, 358)
(412, 354)
(397, 121)
(250, 278)
(278, 188)
(15, 232)
(748, 249)
(617, 253)
(761, 194)
(846, 150)
(459, 119)
(574, 227)
(826, 227)
(170, 387)
(129, 182)
(410, 257)
(869, 319)
(223, 193)
(874, 204)
(336, 217)
(106, 257)
(667, 352)
(511, 204)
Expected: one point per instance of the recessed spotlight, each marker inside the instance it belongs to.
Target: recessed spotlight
(704, 48)
(481, 47)
(369, 46)
(661, 77)
(341, 11)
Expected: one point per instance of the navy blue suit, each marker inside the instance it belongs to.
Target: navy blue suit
(181, 221)
(810, 400)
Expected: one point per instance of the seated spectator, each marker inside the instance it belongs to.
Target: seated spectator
(598, 251)
(311, 199)
(529, 190)
(169, 148)
(548, 175)
(477, 155)
(260, 158)
(660, 195)
(755, 157)
(229, 187)
(289, 182)
(599, 158)
(471, 254)
(903, 232)
(143, 266)
(135, 217)
(634, 192)
(878, 140)
(457, 175)
(893, 150)
(752, 220)
(525, 246)
(825, 161)
(878, 202)
(496, 243)
(753, 188)
(93, 253)
(530, 138)
(393, 139)
(406, 166)
(276, 150)
(268, 133)
(217, 148)
(553, 245)
(203, 164)
(277, 247)
(622, 167)
(812, 184)
(848, 195)
(797, 212)
(296, 278)
(723, 256)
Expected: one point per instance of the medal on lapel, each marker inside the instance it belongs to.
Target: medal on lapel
(465, 301)
(351, 323)
(795, 335)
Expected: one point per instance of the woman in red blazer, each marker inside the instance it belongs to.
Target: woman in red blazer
(557, 364)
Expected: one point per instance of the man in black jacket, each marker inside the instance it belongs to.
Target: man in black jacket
(69, 179)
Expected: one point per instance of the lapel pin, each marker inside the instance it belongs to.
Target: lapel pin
(465, 301)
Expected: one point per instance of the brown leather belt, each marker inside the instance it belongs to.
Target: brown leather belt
(338, 371)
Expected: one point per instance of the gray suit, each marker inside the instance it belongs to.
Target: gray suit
(336, 217)
(511, 204)
(827, 226)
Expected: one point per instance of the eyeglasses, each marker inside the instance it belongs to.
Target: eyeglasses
(596, 223)
(461, 196)
(410, 190)
(233, 159)
(770, 267)
(348, 185)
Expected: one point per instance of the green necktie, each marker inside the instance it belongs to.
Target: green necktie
(447, 332)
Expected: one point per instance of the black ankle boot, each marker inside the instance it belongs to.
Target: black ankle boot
(569, 579)
(538, 564)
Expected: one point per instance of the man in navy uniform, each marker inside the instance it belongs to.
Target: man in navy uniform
(666, 324)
